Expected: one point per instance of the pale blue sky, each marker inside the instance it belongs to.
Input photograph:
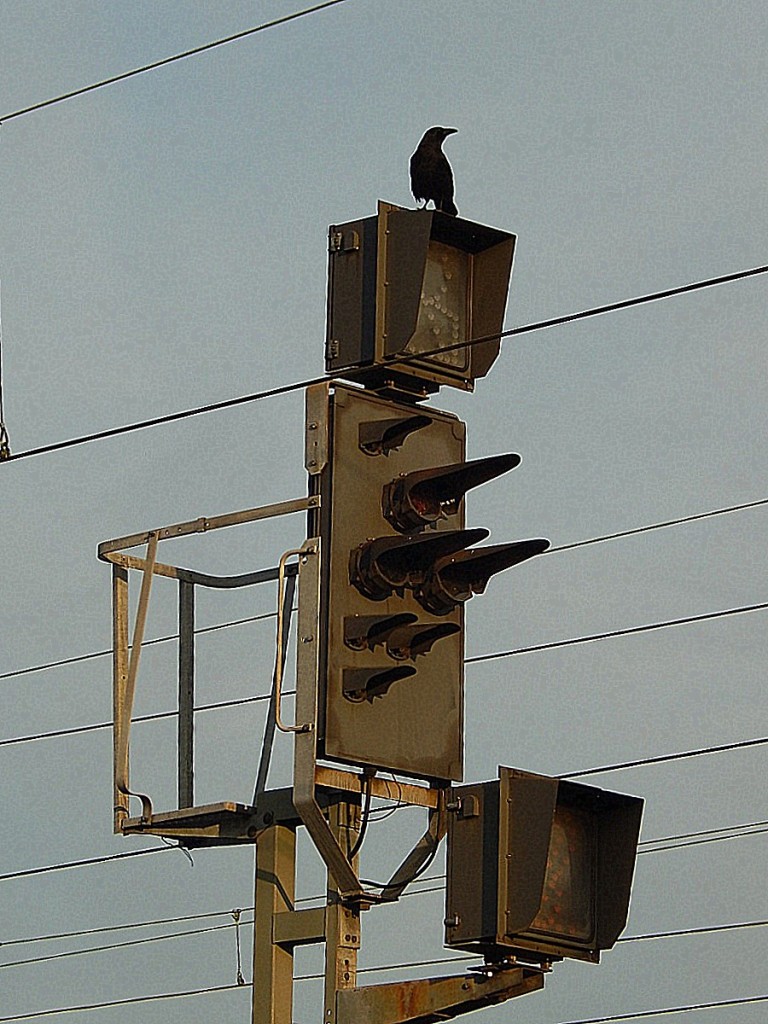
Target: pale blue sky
(163, 245)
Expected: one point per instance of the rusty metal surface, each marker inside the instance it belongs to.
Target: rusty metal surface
(342, 921)
(385, 788)
(223, 822)
(433, 999)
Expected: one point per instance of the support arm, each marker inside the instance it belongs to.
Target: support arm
(432, 999)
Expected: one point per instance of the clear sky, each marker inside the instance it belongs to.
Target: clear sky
(163, 246)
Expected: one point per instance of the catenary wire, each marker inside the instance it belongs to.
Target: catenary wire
(705, 832)
(75, 659)
(109, 947)
(87, 862)
(116, 945)
(157, 716)
(168, 60)
(91, 861)
(743, 1000)
(301, 385)
(660, 758)
(666, 1011)
(132, 1000)
(644, 847)
(654, 526)
(685, 932)
(492, 656)
(699, 842)
(146, 643)
(711, 834)
(610, 634)
(560, 547)
(648, 936)
(125, 926)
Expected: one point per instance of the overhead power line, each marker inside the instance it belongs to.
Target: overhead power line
(168, 60)
(675, 842)
(655, 526)
(88, 862)
(59, 733)
(629, 630)
(651, 936)
(118, 945)
(744, 1000)
(648, 936)
(110, 947)
(699, 842)
(727, 832)
(156, 717)
(475, 659)
(661, 758)
(300, 385)
(715, 835)
(146, 643)
(132, 1001)
(721, 1004)
(102, 929)
(189, 932)
(75, 659)
(686, 932)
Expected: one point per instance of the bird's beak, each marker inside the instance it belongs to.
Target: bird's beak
(450, 131)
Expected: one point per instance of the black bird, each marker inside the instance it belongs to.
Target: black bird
(431, 176)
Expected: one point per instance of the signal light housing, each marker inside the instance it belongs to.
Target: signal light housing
(414, 285)
(388, 565)
(398, 566)
(369, 683)
(539, 868)
(415, 500)
(456, 578)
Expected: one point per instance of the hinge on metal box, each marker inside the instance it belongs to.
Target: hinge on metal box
(331, 349)
(337, 242)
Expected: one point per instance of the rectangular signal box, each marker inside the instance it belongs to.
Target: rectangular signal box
(539, 868)
(391, 678)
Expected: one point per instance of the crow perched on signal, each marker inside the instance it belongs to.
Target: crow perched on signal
(431, 176)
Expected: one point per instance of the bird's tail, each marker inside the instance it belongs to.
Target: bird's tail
(448, 206)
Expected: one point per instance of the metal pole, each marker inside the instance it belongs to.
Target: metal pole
(342, 921)
(275, 891)
(119, 682)
(186, 734)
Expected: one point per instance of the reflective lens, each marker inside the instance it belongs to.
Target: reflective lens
(443, 309)
(567, 907)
